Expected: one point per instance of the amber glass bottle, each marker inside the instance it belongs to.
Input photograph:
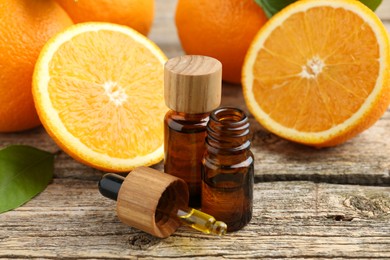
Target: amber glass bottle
(227, 172)
(185, 145)
(192, 89)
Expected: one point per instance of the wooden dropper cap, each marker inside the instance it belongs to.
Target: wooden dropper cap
(193, 84)
(147, 198)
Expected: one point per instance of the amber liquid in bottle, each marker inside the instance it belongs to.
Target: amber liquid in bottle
(184, 144)
(228, 171)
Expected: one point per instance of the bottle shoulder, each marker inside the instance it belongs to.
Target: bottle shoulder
(182, 122)
(243, 160)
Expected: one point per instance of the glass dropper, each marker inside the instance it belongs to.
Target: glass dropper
(111, 183)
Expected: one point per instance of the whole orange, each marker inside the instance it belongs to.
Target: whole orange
(222, 29)
(25, 26)
(137, 14)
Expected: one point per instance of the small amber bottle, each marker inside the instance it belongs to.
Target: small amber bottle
(192, 90)
(228, 170)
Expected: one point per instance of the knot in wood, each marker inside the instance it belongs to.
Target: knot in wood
(374, 206)
(142, 241)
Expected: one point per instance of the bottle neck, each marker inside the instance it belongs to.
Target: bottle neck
(186, 123)
(182, 116)
(228, 131)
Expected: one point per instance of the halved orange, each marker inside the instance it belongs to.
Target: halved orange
(318, 72)
(98, 90)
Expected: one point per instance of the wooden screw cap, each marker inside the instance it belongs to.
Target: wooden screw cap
(193, 84)
(148, 200)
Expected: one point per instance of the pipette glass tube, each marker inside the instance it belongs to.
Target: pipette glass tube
(111, 183)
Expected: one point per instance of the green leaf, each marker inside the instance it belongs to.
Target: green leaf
(24, 172)
(372, 4)
(271, 7)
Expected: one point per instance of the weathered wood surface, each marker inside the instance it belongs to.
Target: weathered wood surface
(291, 219)
(307, 201)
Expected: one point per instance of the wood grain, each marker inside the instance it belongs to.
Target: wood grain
(294, 219)
(192, 84)
(154, 190)
(328, 203)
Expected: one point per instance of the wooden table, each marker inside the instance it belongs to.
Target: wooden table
(329, 203)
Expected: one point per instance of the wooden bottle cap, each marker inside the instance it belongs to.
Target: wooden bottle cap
(148, 200)
(193, 84)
